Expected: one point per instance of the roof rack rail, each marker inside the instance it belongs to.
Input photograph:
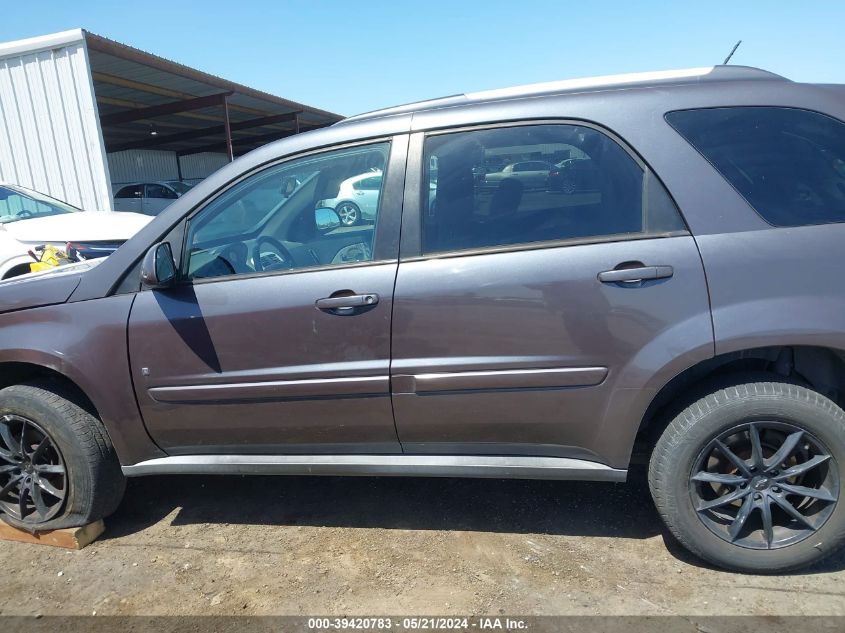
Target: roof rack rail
(703, 74)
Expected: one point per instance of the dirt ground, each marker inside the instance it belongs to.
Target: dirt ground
(346, 546)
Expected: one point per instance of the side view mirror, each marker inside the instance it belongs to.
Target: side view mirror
(158, 269)
(288, 186)
(326, 219)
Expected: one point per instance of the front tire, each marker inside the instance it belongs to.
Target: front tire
(748, 477)
(58, 468)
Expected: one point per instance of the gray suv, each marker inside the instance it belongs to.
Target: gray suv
(687, 308)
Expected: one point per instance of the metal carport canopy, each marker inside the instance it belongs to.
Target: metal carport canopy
(148, 102)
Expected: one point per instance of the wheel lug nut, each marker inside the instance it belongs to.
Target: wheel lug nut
(758, 496)
(776, 489)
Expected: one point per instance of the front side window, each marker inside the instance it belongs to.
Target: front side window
(789, 164)
(538, 183)
(286, 217)
(17, 204)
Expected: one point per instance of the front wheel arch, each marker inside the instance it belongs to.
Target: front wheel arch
(15, 373)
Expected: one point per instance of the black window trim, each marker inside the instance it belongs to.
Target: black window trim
(725, 179)
(397, 150)
(412, 216)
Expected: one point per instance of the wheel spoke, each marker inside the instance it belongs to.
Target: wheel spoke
(50, 488)
(40, 506)
(719, 478)
(723, 500)
(785, 450)
(9, 468)
(23, 438)
(22, 501)
(768, 524)
(737, 461)
(756, 448)
(11, 444)
(791, 511)
(43, 444)
(9, 457)
(50, 469)
(9, 485)
(823, 494)
(741, 517)
(800, 469)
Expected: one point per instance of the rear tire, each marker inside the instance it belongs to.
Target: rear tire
(748, 477)
(349, 213)
(73, 479)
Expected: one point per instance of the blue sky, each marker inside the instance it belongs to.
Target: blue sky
(350, 57)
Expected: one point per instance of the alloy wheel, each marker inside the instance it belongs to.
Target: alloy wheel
(33, 477)
(348, 213)
(764, 485)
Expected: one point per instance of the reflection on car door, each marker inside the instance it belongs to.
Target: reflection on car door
(366, 195)
(508, 336)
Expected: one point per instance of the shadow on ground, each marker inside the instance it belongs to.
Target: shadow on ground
(485, 505)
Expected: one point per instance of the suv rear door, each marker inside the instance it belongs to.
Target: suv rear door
(519, 326)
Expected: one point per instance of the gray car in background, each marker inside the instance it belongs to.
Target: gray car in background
(682, 305)
(149, 198)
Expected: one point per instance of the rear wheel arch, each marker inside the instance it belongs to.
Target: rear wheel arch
(821, 369)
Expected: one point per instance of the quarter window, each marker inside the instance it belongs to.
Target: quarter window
(287, 217)
(538, 183)
(789, 164)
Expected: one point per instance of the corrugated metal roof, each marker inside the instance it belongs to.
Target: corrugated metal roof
(127, 78)
(66, 99)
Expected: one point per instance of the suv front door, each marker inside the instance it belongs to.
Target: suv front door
(526, 319)
(277, 337)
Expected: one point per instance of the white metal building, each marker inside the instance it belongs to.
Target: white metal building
(81, 114)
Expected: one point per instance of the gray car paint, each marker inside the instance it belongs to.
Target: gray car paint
(753, 275)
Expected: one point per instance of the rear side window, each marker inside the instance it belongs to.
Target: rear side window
(132, 191)
(789, 164)
(536, 183)
(160, 191)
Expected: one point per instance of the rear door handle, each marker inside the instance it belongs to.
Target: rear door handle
(345, 304)
(633, 275)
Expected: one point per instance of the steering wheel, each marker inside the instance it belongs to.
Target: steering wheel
(24, 214)
(286, 262)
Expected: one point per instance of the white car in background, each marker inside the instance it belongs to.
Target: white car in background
(29, 219)
(357, 198)
(533, 174)
(149, 198)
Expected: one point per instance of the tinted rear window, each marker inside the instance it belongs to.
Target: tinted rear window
(789, 164)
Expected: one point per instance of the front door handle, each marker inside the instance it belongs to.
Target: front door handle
(346, 304)
(634, 275)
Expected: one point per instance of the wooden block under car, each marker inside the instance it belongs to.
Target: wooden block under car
(69, 538)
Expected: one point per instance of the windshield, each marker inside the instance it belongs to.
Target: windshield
(179, 187)
(19, 204)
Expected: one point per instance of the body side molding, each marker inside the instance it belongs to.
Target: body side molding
(544, 378)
